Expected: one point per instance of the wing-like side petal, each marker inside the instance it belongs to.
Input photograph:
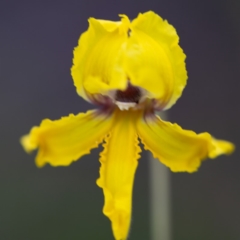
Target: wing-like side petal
(178, 149)
(63, 141)
(154, 59)
(118, 165)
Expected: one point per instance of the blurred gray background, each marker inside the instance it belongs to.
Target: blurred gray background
(36, 43)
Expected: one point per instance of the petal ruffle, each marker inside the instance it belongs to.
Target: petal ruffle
(118, 165)
(110, 26)
(96, 62)
(154, 58)
(63, 141)
(180, 150)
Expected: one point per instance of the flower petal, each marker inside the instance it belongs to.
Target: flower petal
(63, 141)
(96, 67)
(118, 165)
(154, 58)
(111, 26)
(180, 150)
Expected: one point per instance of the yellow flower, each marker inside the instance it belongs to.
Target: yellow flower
(130, 70)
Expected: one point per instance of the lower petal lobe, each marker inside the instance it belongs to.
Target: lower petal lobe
(63, 141)
(118, 166)
(180, 150)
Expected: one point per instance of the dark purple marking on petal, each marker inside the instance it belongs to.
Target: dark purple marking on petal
(131, 94)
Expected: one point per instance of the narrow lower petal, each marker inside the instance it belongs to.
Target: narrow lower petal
(63, 141)
(118, 165)
(178, 149)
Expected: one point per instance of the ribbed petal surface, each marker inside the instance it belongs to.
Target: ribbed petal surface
(181, 150)
(118, 165)
(63, 141)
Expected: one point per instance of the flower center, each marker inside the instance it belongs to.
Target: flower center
(128, 98)
(131, 94)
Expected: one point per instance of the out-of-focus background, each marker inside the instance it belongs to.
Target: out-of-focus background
(36, 43)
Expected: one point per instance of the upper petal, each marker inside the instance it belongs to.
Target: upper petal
(154, 60)
(118, 165)
(180, 150)
(63, 141)
(121, 26)
(109, 55)
(96, 67)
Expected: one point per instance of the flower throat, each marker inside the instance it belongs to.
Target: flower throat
(130, 95)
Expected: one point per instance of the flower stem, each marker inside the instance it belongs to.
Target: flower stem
(160, 219)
